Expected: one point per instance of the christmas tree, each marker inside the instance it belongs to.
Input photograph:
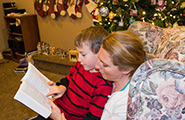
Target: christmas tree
(115, 15)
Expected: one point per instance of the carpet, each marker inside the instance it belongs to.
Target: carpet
(11, 109)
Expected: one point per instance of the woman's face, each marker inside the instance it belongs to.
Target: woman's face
(107, 69)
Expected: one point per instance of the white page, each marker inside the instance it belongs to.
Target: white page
(36, 79)
(34, 99)
(33, 90)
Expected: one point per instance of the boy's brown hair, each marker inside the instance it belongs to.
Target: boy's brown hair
(92, 36)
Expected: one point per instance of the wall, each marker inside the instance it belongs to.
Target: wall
(3, 34)
(58, 33)
(62, 31)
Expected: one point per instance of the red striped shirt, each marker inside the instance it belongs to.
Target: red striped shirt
(86, 92)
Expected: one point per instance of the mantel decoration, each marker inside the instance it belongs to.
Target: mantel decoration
(115, 15)
(45, 49)
(56, 8)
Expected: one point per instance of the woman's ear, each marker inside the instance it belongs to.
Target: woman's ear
(126, 72)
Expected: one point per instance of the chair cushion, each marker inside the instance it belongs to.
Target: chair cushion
(157, 91)
(149, 34)
(172, 45)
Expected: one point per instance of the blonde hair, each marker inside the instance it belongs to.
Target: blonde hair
(126, 50)
(92, 36)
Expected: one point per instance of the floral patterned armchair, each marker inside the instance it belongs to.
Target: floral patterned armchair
(167, 43)
(157, 91)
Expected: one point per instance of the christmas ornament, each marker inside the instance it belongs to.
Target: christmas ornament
(121, 23)
(115, 2)
(142, 13)
(133, 12)
(131, 20)
(104, 11)
(175, 24)
(153, 2)
(143, 18)
(161, 5)
(125, 0)
(111, 15)
(96, 15)
(182, 5)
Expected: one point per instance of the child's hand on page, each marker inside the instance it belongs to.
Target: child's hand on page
(56, 91)
(51, 83)
(56, 114)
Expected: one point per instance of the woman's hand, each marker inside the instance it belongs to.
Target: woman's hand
(56, 91)
(56, 114)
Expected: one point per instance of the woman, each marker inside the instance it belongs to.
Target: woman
(120, 55)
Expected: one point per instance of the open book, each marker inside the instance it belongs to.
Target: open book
(33, 90)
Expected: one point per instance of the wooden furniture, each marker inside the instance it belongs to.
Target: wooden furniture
(23, 34)
(52, 63)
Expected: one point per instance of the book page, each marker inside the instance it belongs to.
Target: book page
(36, 79)
(34, 99)
(33, 90)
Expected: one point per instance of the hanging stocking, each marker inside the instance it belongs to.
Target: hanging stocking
(45, 7)
(38, 7)
(78, 8)
(55, 6)
(62, 7)
(51, 8)
(71, 8)
(57, 13)
(90, 5)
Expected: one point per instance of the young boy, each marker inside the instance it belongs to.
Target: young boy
(83, 93)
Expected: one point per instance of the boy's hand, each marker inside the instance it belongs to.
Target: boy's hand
(56, 91)
(51, 83)
(56, 114)
(63, 116)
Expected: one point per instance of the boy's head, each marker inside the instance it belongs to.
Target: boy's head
(88, 43)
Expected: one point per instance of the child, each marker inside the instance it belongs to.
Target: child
(83, 93)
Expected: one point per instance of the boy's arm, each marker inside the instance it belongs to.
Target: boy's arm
(64, 82)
